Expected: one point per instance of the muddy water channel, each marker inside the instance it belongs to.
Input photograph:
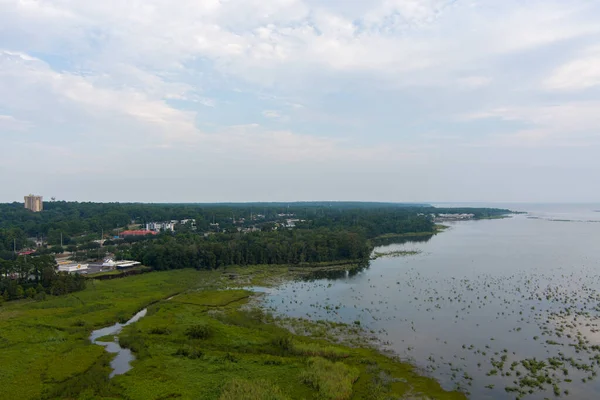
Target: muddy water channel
(121, 363)
(502, 309)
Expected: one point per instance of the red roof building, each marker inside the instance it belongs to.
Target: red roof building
(138, 233)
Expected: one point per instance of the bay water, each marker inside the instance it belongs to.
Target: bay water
(482, 305)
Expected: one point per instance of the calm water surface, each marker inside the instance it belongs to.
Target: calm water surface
(524, 287)
(122, 361)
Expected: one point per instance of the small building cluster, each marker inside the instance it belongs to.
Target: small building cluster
(453, 217)
(248, 229)
(160, 226)
(107, 264)
(169, 225)
(291, 223)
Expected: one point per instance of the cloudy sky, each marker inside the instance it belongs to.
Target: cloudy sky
(248, 100)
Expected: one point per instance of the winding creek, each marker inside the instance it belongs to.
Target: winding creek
(475, 306)
(122, 361)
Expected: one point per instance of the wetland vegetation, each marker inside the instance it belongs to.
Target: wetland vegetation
(206, 341)
(499, 309)
(205, 335)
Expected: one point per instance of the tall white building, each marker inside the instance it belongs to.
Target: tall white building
(34, 203)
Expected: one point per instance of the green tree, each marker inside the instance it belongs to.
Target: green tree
(57, 249)
(39, 288)
(23, 268)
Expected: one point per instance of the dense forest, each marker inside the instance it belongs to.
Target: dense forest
(274, 247)
(75, 218)
(223, 234)
(78, 224)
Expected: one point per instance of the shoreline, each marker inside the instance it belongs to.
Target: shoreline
(248, 337)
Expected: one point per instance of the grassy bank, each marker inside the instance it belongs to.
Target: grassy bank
(395, 253)
(437, 229)
(205, 343)
(404, 235)
(118, 273)
(44, 345)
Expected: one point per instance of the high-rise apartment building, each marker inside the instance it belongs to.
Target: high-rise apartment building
(34, 203)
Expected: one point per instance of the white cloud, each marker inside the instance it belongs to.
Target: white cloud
(271, 113)
(10, 123)
(571, 124)
(400, 14)
(579, 74)
(269, 40)
(276, 115)
(151, 116)
(474, 81)
(21, 74)
(347, 83)
(536, 24)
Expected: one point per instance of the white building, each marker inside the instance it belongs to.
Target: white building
(169, 225)
(160, 226)
(70, 268)
(119, 264)
(291, 223)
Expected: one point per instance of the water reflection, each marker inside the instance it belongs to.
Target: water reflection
(386, 241)
(480, 295)
(357, 269)
(121, 363)
(334, 274)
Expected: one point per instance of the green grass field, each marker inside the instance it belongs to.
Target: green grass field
(204, 343)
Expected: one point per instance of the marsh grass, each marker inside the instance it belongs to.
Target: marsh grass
(240, 389)
(44, 344)
(235, 352)
(243, 346)
(199, 332)
(159, 330)
(312, 349)
(333, 381)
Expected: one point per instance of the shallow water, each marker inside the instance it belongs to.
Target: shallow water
(122, 361)
(477, 292)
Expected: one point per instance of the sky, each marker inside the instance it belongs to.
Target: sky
(283, 100)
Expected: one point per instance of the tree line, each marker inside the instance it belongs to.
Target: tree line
(269, 247)
(34, 277)
(78, 223)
